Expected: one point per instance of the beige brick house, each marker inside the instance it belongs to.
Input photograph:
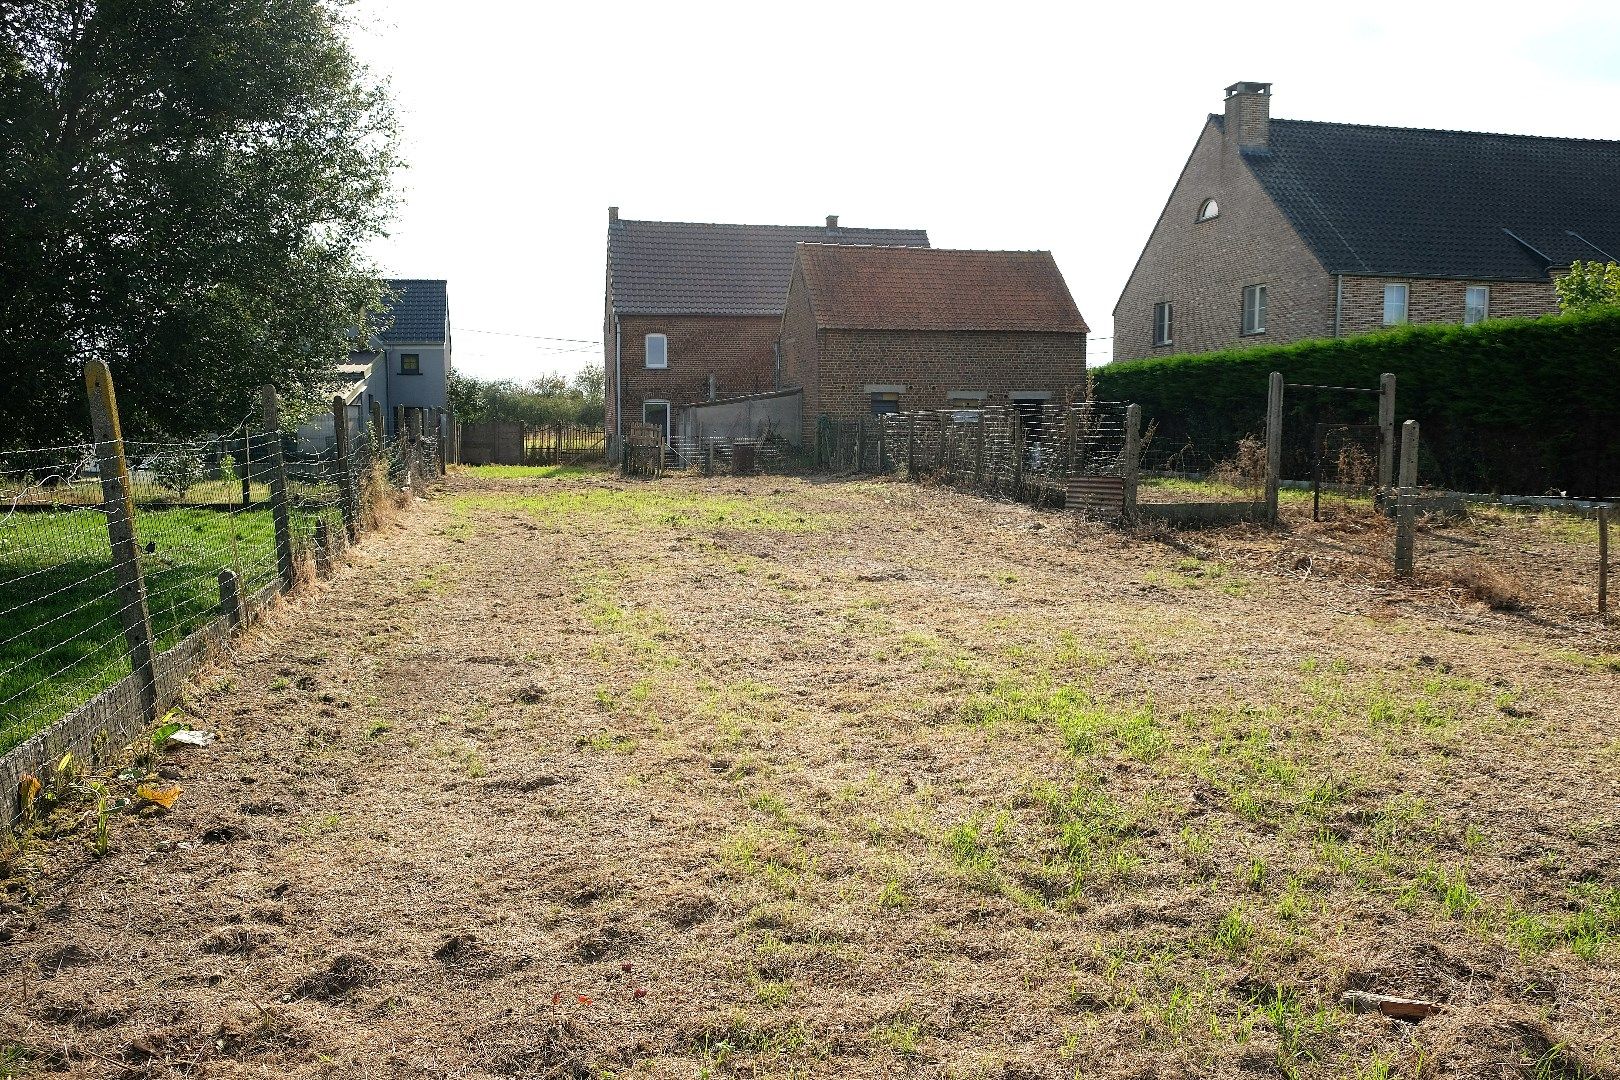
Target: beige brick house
(873, 330)
(692, 310)
(1280, 230)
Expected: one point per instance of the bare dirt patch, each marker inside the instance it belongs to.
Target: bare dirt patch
(570, 777)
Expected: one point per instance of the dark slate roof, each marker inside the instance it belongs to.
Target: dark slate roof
(421, 312)
(1421, 203)
(899, 288)
(689, 268)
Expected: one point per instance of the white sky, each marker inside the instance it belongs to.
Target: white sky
(1003, 125)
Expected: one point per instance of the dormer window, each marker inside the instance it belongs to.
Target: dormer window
(1210, 209)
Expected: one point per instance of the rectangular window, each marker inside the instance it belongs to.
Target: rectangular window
(657, 351)
(1161, 323)
(1394, 305)
(885, 404)
(1476, 304)
(656, 412)
(410, 363)
(1254, 309)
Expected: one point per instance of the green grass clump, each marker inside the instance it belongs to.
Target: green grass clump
(647, 507)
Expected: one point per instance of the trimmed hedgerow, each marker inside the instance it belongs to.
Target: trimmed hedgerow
(1511, 405)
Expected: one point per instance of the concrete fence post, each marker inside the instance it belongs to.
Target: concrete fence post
(1131, 467)
(377, 432)
(978, 453)
(230, 597)
(323, 549)
(1015, 431)
(1386, 430)
(118, 502)
(414, 420)
(277, 467)
(438, 440)
(1405, 507)
(349, 505)
(1274, 414)
(911, 446)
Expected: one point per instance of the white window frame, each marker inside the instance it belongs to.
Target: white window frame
(1404, 291)
(1208, 210)
(1254, 309)
(646, 346)
(1162, 328)
(1484, 308)
(669, 414)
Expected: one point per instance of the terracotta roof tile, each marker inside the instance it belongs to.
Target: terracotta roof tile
(896, 288)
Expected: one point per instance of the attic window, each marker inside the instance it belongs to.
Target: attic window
(657, 351)
(1210, 209)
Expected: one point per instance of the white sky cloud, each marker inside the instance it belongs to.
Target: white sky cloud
(1012, 125)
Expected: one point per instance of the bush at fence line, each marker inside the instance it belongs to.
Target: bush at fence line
(1508, 405)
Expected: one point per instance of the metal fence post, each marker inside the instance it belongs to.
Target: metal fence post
(1386, 430)
(1130, 468)
(1603, 559)
(278, 488)
(345, 469)
(1405, 509)
(1274, 412)
(118, 502)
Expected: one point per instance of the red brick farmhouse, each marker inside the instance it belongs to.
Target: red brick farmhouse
(692, 311)
(872, 330)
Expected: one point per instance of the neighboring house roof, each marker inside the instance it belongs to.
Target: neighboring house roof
(897, 288)
(688, 268)
(421, 312)
(1447, 204)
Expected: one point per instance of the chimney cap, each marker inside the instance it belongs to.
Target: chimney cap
(832, 221)
(1248, 88)
(613, 214)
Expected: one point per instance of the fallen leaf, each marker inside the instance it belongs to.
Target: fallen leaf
(157, 796)
(556, 998)
(27, 788)
(583, 1000)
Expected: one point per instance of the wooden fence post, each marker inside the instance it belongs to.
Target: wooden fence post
(278, 487)
(1274, 412)
(118, 502)
(1131, 467)
(1405, 508)
(247, 470)
(1386, 430)
(345, 469)
(378, 435)
(230, 597)
(323, 548)
(978, 454)
(1603, 559)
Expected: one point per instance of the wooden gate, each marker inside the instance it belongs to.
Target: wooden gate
(494, 442)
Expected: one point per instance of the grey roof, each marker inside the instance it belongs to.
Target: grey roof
(1451, 204)
(690, 268)
(421, 312)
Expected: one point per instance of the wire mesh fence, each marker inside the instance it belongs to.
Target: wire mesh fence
(215, 525)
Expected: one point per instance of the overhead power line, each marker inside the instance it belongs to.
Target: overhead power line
(534, 337)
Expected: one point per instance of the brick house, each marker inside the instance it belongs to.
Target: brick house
(872, 330)
(692, 311)
(1279, 230)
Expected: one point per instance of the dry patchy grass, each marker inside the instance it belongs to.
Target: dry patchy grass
(776, 777)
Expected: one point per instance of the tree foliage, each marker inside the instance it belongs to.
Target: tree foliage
(544, 402)
(1520, 406)
(185, 191)
(1589, 285)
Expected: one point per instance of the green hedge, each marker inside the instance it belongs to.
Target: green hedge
(1512, 405)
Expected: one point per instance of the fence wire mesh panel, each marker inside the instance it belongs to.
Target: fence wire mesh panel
(93, 641)
(1026, 452)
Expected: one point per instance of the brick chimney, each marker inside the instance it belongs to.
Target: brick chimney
(613, 214)
(832, 221)
(1248, 115)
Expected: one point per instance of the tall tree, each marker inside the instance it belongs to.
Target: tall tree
(186, 188)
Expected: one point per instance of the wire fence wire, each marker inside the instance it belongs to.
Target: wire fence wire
(199, 506)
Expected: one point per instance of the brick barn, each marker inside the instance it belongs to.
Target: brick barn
(871, 330)
(1281, 230)
(692, 310)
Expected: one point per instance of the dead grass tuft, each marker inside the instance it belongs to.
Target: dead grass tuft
(1487, 584)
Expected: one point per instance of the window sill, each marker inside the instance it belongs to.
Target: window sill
(1251, 333)
(1163, 344)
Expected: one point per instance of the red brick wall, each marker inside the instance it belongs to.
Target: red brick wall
(1431, 300)
(738, 350)
(1202, 267)
(800, 345)
(930, 364)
